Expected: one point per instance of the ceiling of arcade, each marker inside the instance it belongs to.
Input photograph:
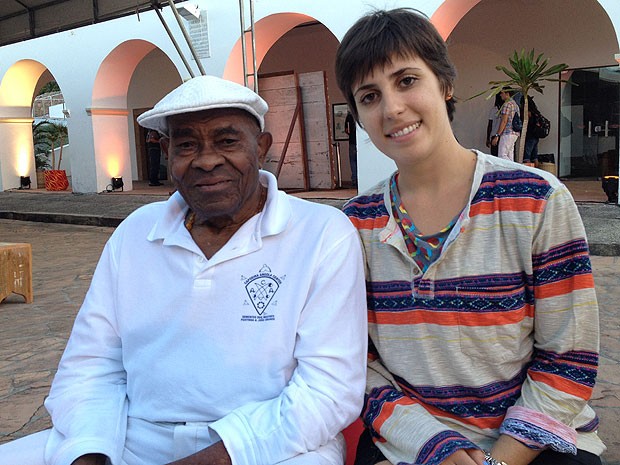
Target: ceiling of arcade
(26, 19)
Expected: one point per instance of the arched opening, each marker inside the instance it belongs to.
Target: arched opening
(17, 91)
(294, 56)
(154, 76)
(131, 79)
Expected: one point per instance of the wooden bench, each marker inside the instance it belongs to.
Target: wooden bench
(16, 270)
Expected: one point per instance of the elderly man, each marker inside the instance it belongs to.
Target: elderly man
(225, 325)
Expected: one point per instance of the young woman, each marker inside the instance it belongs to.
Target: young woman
(482, 313)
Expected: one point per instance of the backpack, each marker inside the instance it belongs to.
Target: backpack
(517, 124)
(542, 126)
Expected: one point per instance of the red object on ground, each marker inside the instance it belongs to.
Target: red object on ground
(56, 180)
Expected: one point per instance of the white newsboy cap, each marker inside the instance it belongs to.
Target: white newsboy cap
(203, 93)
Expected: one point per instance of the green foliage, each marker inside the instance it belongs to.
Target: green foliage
(51, 86)
(41, 161)
(40, 139)
(46, 137)
(527, 73)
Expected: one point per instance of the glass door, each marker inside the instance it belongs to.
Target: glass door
(589, 123)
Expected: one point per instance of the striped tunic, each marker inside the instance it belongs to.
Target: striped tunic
(499, 335)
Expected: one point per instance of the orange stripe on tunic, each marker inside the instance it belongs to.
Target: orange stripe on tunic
(565, 286)
(507, 204)
(451, 318)
(388, 409)
(370, 223)
(562, 384)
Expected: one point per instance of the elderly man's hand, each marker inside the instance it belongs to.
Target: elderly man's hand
(90, 459)
(212, 455)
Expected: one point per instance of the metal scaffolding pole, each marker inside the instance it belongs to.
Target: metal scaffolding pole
(254, 70)
(174, 42)
(244, 53)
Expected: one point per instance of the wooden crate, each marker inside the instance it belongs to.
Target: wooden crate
(16, 270)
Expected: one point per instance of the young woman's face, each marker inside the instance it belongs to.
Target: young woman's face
(403, 109)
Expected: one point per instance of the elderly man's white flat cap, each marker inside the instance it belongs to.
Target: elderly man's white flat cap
(203, 93)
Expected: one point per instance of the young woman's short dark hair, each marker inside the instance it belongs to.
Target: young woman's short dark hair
(381, 35)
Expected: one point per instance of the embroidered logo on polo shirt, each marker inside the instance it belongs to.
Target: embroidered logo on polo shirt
(261, 289)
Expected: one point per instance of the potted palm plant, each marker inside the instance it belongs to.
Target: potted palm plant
(54, 135)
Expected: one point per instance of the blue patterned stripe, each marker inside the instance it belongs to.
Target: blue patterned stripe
(441, 446)
(489, 401)
(495, 281)
(532, 434)
(562, 263)
(369, 206)
(485, 293)
(590, 426)
(511, 184)
(563, 270)
(578, 367)
(569, 249)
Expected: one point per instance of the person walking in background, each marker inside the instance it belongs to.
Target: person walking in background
(349, 128)
(530, 152)
(153, 150)
(505, 137)
(493, 123)
(482, 312)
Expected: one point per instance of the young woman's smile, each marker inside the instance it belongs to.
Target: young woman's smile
(402, 107)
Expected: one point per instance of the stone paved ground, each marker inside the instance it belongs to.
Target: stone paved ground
(32, 336)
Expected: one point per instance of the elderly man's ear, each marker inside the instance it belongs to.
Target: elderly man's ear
(264, 140)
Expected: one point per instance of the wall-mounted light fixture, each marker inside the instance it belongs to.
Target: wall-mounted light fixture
(24, 182)
(117, 183)
(66, 113)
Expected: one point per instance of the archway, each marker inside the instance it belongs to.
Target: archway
(296, 86)
(112, 108)
(267, 31)
(17, 91)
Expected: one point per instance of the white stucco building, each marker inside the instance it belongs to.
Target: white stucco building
(112, 71)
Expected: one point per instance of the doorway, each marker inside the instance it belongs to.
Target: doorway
(142, 159)
(589, 123)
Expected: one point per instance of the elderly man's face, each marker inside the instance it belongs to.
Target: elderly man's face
(214, 160)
